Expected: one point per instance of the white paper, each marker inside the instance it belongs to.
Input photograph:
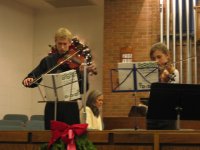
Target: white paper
(66, 83)
(137, 76)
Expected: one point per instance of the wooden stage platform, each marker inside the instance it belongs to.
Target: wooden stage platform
(119, 134)
(125, 139)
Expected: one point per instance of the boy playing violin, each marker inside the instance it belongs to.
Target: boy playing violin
(67, 112)
(167, 74)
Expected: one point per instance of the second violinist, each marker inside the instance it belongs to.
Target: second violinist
(167, 72)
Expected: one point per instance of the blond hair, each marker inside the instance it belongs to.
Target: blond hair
(63, 33)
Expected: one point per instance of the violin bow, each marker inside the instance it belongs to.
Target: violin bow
(182, 60)
(66, 59)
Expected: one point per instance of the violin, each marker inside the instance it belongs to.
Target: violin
(77, 54)
(166, 73)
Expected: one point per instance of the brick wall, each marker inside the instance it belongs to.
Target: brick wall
(133, 23)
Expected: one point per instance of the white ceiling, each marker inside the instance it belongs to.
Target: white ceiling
(48, 4)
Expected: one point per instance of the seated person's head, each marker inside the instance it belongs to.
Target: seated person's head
(95, 101)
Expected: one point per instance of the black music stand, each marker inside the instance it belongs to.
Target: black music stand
(170, 103)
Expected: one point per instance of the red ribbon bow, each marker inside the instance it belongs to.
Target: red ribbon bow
(66, 133)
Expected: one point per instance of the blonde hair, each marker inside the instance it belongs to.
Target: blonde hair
(63, 33)
(159, 46)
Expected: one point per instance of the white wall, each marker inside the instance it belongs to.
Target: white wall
(85, 22)
(24, 40)
(16, 41)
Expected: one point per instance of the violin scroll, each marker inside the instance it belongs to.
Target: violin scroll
(83, 50)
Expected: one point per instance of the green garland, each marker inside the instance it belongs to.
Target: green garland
(82, 143)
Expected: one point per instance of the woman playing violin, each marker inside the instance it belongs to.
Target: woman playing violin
(168, 73)
(67, 112)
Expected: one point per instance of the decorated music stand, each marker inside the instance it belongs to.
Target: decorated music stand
(84, 91)
(134, 77)
(170, 103)
(61, 87)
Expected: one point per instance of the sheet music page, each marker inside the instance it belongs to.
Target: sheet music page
(67, 86)
(146, 73)
(125, 76)
(137, 76)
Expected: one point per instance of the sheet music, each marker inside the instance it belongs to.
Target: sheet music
(137, 76)
(125, 76)
(67, 86)
(146, 73)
